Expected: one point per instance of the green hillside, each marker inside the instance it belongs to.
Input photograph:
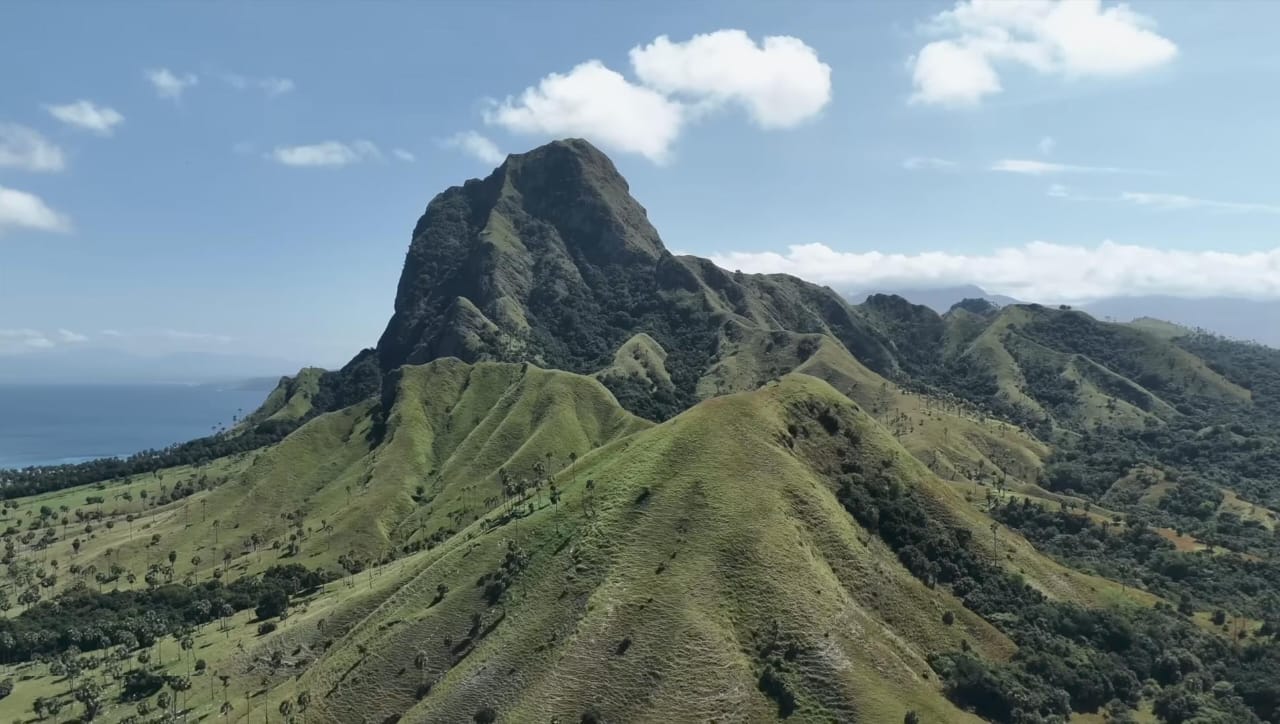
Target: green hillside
(581, 479)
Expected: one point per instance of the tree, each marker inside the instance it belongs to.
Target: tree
(304, 701)
(89, 694)
(272, 602)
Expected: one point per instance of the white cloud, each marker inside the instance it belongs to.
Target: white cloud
(1040, 168)
(475, 144)
(88, 116)
(952, 74)
(70, 337)
(1178, 201)
(1064, 38)
(598, 103)
(21, 210)
(271, 85)
(326, 153)
(780, 82)
(1046, 145)
(14, 341)
(403, 155)
(917, 163)
(169, 84)
(1040, 271)
(25, 149)
(1167, 202)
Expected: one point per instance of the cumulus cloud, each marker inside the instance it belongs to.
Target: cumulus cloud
(1063, 38)
(26, 150)
(918, 163)
(326, 153)
(475, 145)
(70, 337)
(404, 155)
(271, 85)
(1040, 168)
(169, 84)
(780, 82)
(1040, 271)
(22, 210)
(593, 101)
(88, 116)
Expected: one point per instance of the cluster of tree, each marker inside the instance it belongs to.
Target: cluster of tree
(88, 620)
(1134, 554)
(1069, 658)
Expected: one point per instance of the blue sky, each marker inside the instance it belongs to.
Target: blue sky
(243, 178)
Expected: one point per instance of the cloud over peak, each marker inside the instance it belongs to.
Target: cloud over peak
(1063, 38)
(593, 101)
(779, 83)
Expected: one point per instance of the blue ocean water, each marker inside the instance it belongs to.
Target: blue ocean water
(52, 424)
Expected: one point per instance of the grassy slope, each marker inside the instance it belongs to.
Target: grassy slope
(702, 532)
(643, 358)
(1025, 336)
(291, 398)
(706, 530)
(690, 573)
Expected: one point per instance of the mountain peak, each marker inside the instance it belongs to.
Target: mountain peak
(575, 187)
(492, 257)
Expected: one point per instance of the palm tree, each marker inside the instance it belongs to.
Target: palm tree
(304, 701)
(420, 663)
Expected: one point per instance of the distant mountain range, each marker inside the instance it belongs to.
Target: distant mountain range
(1236, 318)
(104, 365)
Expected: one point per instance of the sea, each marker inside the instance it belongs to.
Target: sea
(55, 424)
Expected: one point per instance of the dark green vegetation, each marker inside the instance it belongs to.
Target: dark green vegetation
(583, 479)
(89, 620)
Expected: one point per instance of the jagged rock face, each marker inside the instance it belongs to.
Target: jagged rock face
(550, 260)
(556, 222)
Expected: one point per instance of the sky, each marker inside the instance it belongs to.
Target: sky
(242, 179)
